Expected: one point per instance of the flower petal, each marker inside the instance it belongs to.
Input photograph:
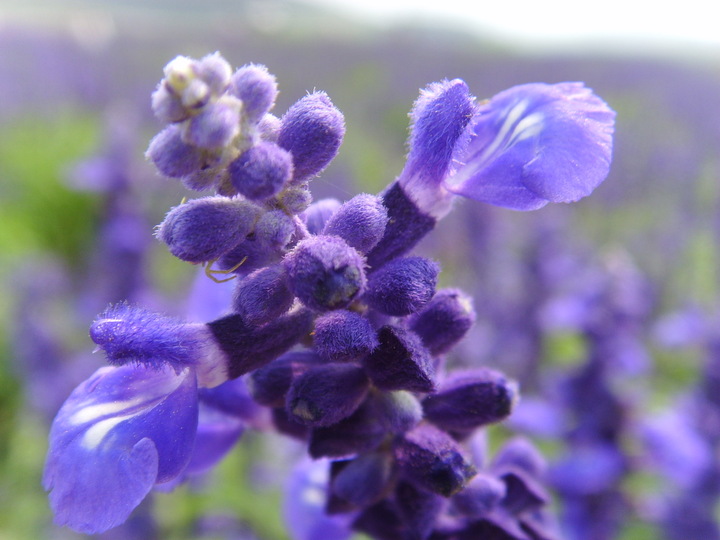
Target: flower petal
(119, 432)
(534, 144)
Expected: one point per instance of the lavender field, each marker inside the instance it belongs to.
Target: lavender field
(592, 324)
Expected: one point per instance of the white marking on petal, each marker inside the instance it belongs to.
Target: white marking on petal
(512, 117)
(95, 435)
(313, 496)
(530, 126)
(93, 412)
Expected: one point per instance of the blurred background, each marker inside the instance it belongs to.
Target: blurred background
(638, 260)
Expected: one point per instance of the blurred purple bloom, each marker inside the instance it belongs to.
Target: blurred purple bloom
(304, 506)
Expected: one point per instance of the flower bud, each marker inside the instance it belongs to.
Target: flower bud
(172, 156)
(364, 479)
(343, 336)
(360, 222)
(295, 199)
(167, 106)
(256, 88)
(399, 411)
(360, 432)
(274, 229)
(326, 394)
(312, 131)
(418, 509)
(432, 460)
(444, 320)
(400, 362)
(318, 214)
(325, 273)
(263, 295)
(470, 399)
(479, 496)
(269, 384)
(202, 230)
(261, 171)
(269, 128)
(215, 126)
(215, 71)
(402, 286)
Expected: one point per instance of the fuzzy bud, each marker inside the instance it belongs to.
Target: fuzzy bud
(326, 394)
(400, 362)
(261, 171)
(256, 88)
(202, 230)
(470, 399)
(343, 336)
(172, 156)
(215, 126)
(432, 460)
(360, 222)
(402, 286)
(312, 131)
(444, 320)
(325, 273)
(263, 295)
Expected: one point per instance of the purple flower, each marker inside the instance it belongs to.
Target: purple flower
(304, 505)
(119, 433)
(525, 147)
(534, 144)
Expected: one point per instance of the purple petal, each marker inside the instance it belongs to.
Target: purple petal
(304, 506)
(217, 433)
(119, 433)
(534, 144)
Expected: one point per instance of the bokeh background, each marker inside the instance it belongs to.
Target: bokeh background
(78, 203)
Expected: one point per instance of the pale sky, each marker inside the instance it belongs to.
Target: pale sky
(556, 22)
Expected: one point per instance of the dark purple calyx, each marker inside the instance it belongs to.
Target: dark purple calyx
(400, 362)
(432, 460)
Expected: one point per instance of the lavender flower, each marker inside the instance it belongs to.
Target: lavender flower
(342, 335)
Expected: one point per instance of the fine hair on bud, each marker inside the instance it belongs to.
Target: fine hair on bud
(261, 171)
(360, 222)
(312, 131)
(204, 229)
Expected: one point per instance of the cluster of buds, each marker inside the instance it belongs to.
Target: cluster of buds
(341, 332)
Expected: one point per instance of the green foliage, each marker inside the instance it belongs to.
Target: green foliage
(39, 211)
